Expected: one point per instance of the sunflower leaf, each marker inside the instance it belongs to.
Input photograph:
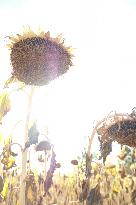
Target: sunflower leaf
(5, 105)
(33, 134)
(9, 81)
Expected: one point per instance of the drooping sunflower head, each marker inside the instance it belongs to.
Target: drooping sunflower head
(38, 59)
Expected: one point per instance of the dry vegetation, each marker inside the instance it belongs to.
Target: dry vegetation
(36, 60)
(91, 183)
(109, 184)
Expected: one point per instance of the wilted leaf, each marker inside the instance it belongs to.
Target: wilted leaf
(9, 81)
(27, 144)
(122, 155)
(133, 197)
(74, 162)
(94, 196)
(116, 186)
(1, 184)
(40, 159)
(7, 141)
(128, 182)
(30, 194)
(5, 105)
(33, 134)
(31, 189)
(49, 178)
(8, 162)
(14, 154)
(5, 189)
(83, 194)
(58, 165)
(43, 146)
(105, 149)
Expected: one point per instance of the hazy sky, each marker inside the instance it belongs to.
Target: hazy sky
(103, 78)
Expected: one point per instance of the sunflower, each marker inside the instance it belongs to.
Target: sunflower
(37, 58)
(120, 127)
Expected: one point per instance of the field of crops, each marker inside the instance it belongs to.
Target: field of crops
(29, 171)
(109, 184)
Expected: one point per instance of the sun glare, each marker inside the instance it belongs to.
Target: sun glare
(68, 106)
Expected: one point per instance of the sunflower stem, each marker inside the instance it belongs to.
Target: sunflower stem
(22, 197)
(45, 164)
(89, 154)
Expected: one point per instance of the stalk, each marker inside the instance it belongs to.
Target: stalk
(22, 197)
(89, 155)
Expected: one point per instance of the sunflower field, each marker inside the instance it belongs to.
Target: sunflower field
(109, 183)
(36, 60)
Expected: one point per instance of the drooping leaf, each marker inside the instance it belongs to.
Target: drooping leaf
(49, 178)
(8, 162)
(1, 184)
(105, 148)
(27, 144)
(14, 154)
(31, 189)
(74, 162)
(83, 194)
(5, 190)
(122, 155)
(33, 134)
(58, 165)
(5, 105)
(30, 194)
(40, 159)
(94, 196)
(133, 197)
(43, 146)
(116, 186)
(9, 81)
(7, 141)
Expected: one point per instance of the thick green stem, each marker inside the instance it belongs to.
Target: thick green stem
(22, 197)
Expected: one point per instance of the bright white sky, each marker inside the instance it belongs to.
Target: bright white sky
(103, 78)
